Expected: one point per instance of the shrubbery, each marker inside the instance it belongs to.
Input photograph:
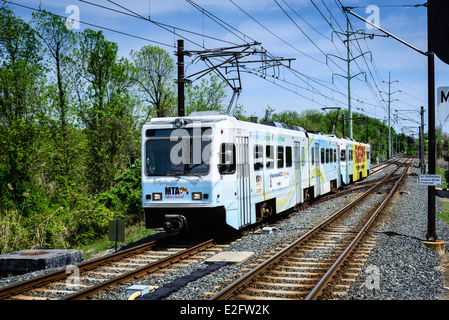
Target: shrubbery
(83, 219)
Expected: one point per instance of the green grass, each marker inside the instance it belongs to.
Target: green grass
(132, 234)
(444, 214)
(438, 170)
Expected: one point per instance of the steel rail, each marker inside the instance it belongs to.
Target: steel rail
(316, 291)
(83, 294)
(227, 292)
(61, 274)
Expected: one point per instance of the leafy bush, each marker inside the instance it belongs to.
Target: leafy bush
(126, 197)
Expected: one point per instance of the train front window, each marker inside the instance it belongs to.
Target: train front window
(182, 152)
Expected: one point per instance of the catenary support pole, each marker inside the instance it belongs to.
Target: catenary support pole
(181, 100)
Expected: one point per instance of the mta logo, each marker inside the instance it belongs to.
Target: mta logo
(173, 191)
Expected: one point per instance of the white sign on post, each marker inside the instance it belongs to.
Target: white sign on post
(430, 180)
(443, 103)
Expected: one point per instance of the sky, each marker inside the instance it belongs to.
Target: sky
(309, 31)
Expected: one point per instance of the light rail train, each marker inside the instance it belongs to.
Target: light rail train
(209, 170)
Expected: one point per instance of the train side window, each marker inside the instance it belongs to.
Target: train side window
(313, 156)
(269, 152)
(327, 155)
(350, 155)
(227, 163)
(335, 155)
(258, 157)
(303, 157)
(322, 156)
(280, 157)
(343, 155)
(288, 157)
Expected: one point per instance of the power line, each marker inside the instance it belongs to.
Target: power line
(160, 24)
(93, 25)
(300, 29)
(301, 82)
(305, 21)
(272, 33)
(297, 74)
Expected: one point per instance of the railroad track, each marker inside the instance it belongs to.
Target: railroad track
(303, 269)
(358, 186)
(101, 273)
(379, 167)
(84, 280)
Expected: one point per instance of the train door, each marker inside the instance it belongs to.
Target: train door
(297, 166)
(348, 163)
(316, 170)
(243, 180)
(339, 182)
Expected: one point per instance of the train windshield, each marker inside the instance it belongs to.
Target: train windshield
(177, 151)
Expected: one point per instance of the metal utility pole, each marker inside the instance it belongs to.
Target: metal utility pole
(336, 117)
(380, 145)
(357, 118)
(431, 193)
(181, 101)
(348, 60)
(389, 111)
(233, 61)
(421, 134)
(421, 142)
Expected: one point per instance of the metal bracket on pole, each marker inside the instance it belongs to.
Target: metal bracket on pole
(233, 61)
(431, 193)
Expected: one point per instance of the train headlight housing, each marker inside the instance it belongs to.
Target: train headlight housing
(178, 122)
(157, 196)
(197, 196)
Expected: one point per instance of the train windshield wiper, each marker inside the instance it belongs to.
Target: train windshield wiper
(186, 173)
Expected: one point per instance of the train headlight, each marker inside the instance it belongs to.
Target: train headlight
(157, 196)
(178, 122)
(197, 196)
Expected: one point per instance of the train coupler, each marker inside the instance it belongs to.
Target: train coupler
(175, 223)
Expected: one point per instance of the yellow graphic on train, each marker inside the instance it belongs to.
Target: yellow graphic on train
(359, 162)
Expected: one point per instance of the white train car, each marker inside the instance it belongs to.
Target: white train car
(210, 170)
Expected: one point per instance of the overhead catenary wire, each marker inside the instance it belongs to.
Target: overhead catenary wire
(294, 80)
(270, 55)
(160, 24)
(226, 26)
(92, 24)
(409, 95)
(275, 35)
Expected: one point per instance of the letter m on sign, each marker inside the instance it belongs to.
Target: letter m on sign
(444, 97)
(443, 104)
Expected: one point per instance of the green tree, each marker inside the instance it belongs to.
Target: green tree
(206, 96)
(105, 107)
(154, 73)
(59, 42)
(268, 112)
(22, 107)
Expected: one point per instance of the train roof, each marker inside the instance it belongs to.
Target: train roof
(282, 125)
(211, 116)
(216, 116)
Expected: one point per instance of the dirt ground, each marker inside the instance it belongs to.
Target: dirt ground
(445, 265)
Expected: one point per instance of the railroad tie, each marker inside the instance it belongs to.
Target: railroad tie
(174, 286)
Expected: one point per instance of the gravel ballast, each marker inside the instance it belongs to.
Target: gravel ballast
(404, 267)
